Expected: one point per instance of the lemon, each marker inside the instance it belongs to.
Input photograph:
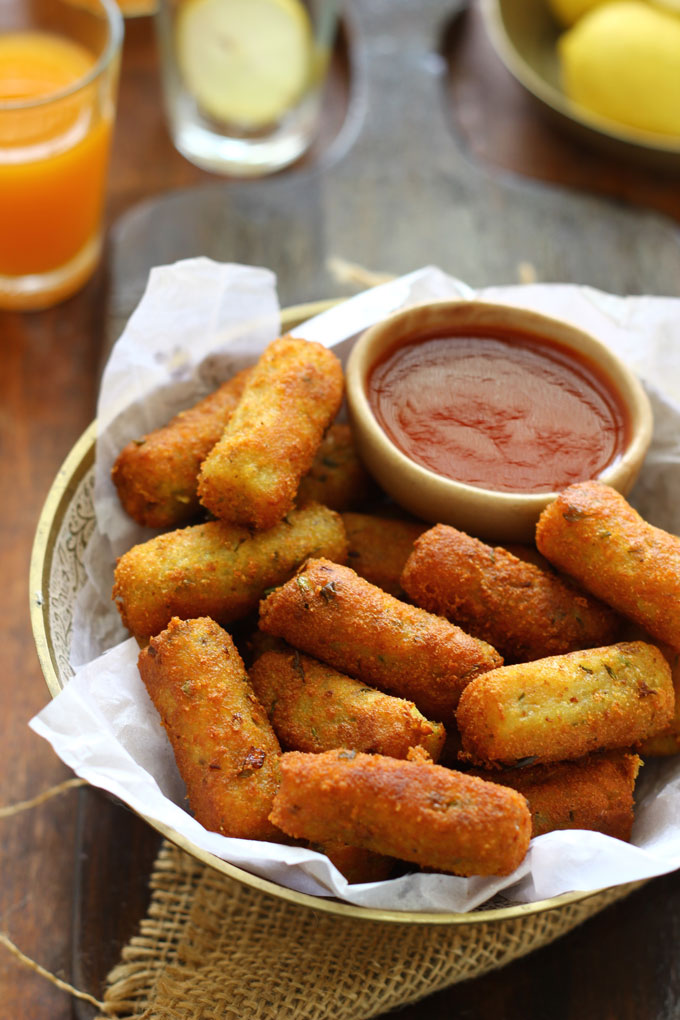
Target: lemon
(622, 61)
(244, 61)
(567, 12)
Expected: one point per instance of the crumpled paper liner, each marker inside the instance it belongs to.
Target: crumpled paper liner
(200, 319)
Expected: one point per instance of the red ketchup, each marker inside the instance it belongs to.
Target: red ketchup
(510, 412)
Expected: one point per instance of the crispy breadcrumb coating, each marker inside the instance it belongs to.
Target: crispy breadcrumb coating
(337, 477)
(216, 569)
(595, 792)
(225, 748)
(313, 707)
(412, 810)
(156, 476)
(378, 548)
(523, 611)
(328, 611)
(356, 864)
(566, 706)
(593, 534)
(667, 741)
(251, 476)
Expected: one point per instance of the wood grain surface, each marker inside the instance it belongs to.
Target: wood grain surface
(466, 141)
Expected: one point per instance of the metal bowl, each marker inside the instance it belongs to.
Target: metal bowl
(56, 575)
(524, 35)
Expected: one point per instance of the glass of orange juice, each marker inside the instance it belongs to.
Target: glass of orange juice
(137, 8)
(59, 62)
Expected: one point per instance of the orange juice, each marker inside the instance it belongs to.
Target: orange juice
(53, 154)
(135, 7)
(129, 8)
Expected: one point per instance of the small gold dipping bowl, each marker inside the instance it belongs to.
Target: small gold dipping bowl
(487, 514)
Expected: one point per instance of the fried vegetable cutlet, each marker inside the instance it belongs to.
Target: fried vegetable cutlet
(595, 792)
(593, 534)
(329, 612)
(411, 810)
(224, 745)
(216, 569)
(565, 706)
(314, 708)
(156, 476)
(523, 611)
(251, 476)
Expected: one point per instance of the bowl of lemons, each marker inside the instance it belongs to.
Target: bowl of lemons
(609, 70)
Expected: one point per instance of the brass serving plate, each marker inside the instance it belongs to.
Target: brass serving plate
(56, 574)
(524, 35)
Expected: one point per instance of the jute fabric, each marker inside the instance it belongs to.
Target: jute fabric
(213, 949)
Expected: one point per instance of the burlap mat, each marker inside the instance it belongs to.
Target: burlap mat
(213, 949)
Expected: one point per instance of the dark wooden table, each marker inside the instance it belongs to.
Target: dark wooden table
(622, 964)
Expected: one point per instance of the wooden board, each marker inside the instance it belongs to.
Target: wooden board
(397, 189)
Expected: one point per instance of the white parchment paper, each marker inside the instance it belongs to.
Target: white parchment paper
(198, 323)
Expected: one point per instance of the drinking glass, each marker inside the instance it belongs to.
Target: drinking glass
(59, 64)
(243, 79)
(136, 8)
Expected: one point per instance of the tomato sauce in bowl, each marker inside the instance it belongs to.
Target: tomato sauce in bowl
(503, 411)
(477, 414)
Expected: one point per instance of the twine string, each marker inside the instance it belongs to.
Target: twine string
(54, 791)
(9, 812)
(52, 978)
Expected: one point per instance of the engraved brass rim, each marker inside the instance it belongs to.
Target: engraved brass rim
(75, 467)
(523, 35)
